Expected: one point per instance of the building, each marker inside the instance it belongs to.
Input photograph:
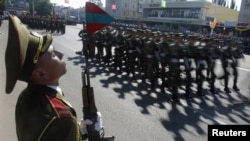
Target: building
(244, 15)
(188, 15)
(173, 14)
(125, 9)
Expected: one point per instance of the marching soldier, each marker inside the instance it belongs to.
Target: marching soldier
(131, 53)
(108, 40)
(98, 42)
(200, 59)
(142, 53)
(237, 53)
(213, 53)
(119, 49)
(163, 47)
(188, 53)
(62, 26)
(174, 50)
(230, 55)
(151, 62)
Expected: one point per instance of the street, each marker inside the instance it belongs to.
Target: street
(130, 110)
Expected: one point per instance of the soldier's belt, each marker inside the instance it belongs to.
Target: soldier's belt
(174, 60)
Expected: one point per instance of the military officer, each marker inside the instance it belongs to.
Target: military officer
(42, 112)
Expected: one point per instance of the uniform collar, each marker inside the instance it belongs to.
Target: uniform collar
(56, 88)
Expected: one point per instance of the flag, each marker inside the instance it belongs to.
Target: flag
(66, 1)
(113, 6)
(163, 3)
(96, 18)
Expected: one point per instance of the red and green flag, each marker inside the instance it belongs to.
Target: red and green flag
(96, 18)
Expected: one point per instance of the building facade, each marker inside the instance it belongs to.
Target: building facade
(173, 13)
(244, 15)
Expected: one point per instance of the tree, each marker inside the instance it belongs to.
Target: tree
(42, 7)
(2, 4)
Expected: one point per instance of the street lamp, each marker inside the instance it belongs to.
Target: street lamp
(33, 8)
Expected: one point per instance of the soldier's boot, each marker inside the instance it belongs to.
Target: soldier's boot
(235, 81)
(226, 89)
(175, 94)
(236, 88)
(162, 89)
(212, 87)
(188, 93)
(199, 89)
(120, 67)
(163, 85)
(133, 75)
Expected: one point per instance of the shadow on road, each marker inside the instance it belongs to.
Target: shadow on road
(188, 115)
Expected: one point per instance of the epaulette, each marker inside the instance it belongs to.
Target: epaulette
(59, 108)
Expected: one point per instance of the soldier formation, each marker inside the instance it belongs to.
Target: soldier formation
(51, 25)
(173, 58)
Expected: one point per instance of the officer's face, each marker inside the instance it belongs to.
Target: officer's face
(52, 66)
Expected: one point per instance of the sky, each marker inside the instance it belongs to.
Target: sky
(72, 3)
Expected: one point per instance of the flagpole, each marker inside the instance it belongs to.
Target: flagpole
(91, 117)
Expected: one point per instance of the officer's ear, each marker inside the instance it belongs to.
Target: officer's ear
(38, 75)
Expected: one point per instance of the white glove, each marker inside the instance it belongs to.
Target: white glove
(83, 127)
(98, 125)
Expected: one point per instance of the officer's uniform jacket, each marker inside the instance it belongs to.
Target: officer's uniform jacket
(43, 114)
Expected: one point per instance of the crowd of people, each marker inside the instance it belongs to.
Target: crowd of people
(173, 58)
(43, 23)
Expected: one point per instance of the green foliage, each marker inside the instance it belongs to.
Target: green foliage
(3, 1)
(2, 4)
(42, 7)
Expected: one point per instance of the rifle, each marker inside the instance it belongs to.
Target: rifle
(95, 130)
